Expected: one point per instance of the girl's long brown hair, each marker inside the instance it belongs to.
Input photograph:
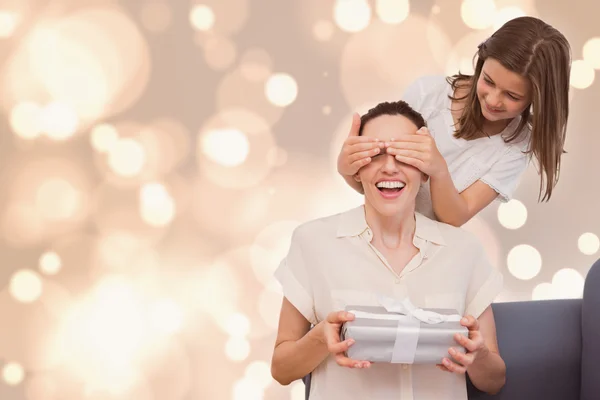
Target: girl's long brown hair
(540, 53)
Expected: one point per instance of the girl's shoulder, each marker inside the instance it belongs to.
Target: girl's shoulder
(431, 84)
(428, 93)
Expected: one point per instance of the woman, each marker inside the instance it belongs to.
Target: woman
(386, 248)
(483, 128)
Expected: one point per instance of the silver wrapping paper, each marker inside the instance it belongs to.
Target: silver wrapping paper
(381, 340)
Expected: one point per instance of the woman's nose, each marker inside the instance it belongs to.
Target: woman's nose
(390, 164)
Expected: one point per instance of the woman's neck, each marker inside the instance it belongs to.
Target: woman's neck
(391, 232)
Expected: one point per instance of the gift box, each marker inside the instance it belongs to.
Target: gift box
(398, 332)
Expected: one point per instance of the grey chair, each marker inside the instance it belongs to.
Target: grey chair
(551, 348)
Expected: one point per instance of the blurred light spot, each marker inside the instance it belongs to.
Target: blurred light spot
(237, 325)
(219, 52)
(39, 387)
(8, 23)
(91, 62)
(216, 209)
(568, 283)
(121, 250)
(478, 14)
(524, 262)
(55, 299)
(506, 14)
(57, 199)
(588, 244)
(217, 291)
(25, 286)
(256, 65)
(236, 162)
(166, 143)
(156, 16)
(225, 18)
(260, 373)
(543, 291)
(461, 55)
(374, 63)
(166, 316)
(326, 110)
(202, 17)
(352, 15)
(438, 41)
(104, 137)
(582, 74)
(323, 30)
(270, 247)
(133, 387)
(591, 52)
(435, 9)
(170, 370)
(157, 207)
(127, 157)
(26, 120)
(29, 337)
(228, 147)
(236, 92)
(237, 349)
(392, 11)
(59, 121)
(466, 66)
(50, 263)
(277, 157)
(512, 215)
(269, 307)
(22, 224)
(103, 333)
(247, 389)
(488, 236)
(13, 373)
(281, 89)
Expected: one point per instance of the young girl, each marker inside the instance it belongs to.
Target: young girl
(483, 128)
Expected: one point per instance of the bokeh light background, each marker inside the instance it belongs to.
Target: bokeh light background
(156, 155)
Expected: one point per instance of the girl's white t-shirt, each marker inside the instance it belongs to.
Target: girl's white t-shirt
(489, 159)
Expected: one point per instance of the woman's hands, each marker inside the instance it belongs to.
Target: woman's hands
(474, 344)
(331, 332)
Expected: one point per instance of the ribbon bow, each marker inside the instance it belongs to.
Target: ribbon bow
(407, 308)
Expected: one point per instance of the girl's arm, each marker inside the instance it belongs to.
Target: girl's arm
(450, 206)
(456, 208)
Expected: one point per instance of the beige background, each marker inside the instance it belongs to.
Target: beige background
(155, 157)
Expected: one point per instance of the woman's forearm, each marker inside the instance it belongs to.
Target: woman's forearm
(448, 204)
(295, 359)
(488, 373)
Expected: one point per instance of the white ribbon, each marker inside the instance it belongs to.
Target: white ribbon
(409, 320)
(407, 308)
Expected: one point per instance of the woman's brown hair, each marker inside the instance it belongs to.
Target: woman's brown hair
(537, 51)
